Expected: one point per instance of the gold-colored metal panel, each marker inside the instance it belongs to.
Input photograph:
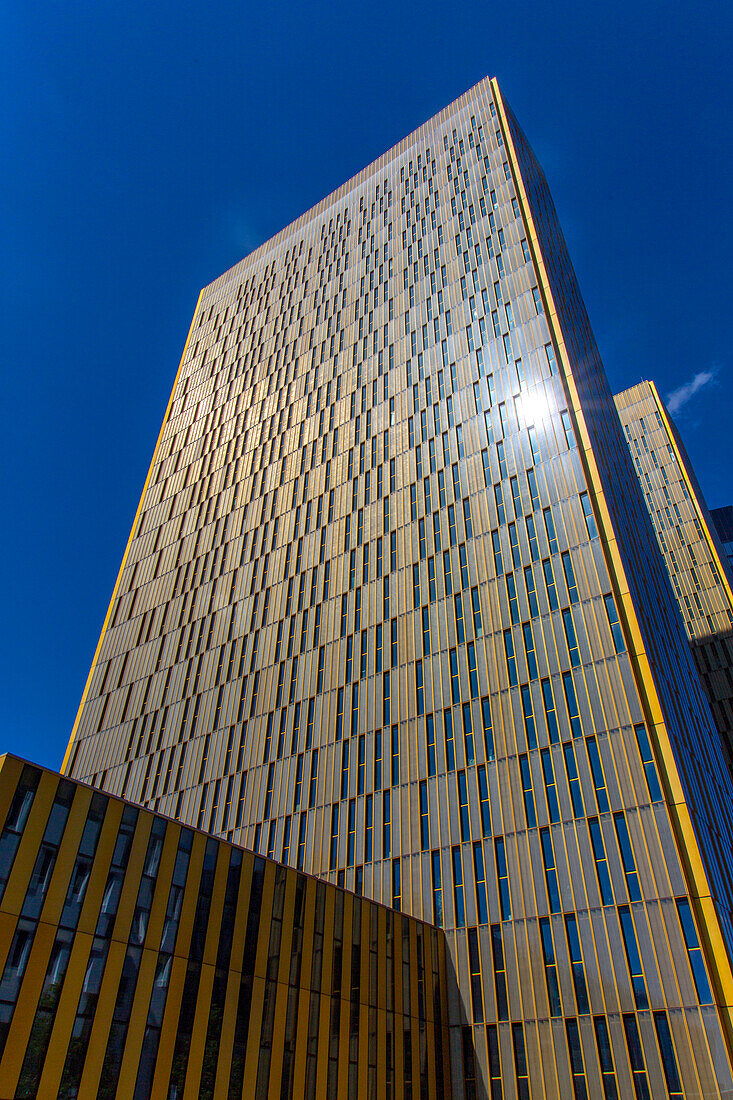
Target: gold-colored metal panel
(226, 1042)
(99, 1037)
(162, 885)
(200, 1026)
(278, 1040)
(252, 1057)
(168, 1031)
(136, 1029)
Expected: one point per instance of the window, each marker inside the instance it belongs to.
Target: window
(590, 520)
(605, 1058)
(596, 767)
(627, 857)
(633, 958)
(669, 1060)
(647, 759)
(548, 955)
(571, 638)
(553, 807)
(550, 584)
(550, 712)
(497, 956)
(568, 429)
(599, 855)
(636, 1057)
(460, 910)
(437, 889)
(694, 951)
(569, 572)
(530, 729)
(510, 658)
(502, 875)
(576, 963)
(548, 855)
(613, 622)
(527, 791)
(550, 530)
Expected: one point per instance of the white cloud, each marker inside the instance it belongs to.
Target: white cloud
(679, 397)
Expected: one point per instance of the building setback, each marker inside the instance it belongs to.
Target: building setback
(698, 566)
(392, 611)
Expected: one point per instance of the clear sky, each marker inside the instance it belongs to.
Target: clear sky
(149, 145)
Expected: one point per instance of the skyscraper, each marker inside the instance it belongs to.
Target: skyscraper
(698, 565)
(392, 610)
(723, 520)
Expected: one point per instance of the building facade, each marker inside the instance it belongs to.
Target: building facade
(691, 545)
(723, 520)
(139, 958)
(392, 611)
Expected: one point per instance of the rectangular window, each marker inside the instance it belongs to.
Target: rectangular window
(511, 662)
(450, 751)
(527, 791)
(605, 1058)
(548, 855)
(669, 1060)
(437, 889)
(636, 1057)
(633, 957)
(497, 958)
(502, 876)
(599, 855)
(520, 1059)
(647, 759)
(590, 519)
(548, 955)
(484, 801)
(613, 621)
(572, 704)
(460, 909)
(576, 964)
(488, 728)
(548, 700)
(550, 530)
(571, 638)
(530, 729)
(694, 951)
(569, 572)
(596, 768)
(627, 857)
(548, 772)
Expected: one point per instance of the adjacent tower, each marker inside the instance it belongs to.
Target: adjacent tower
(698, 566)
(392, 611)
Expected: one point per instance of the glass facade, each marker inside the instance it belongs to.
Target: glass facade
(693, 547)
(141, 958)
(392, 610)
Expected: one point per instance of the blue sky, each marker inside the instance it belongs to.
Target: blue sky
(149, 146)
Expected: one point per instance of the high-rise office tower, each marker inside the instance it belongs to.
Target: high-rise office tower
(723, 521)
(392, 611)
(697, 563)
